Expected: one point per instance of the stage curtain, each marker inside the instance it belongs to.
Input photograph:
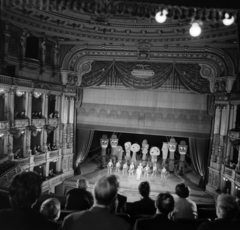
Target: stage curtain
(84, 142)
(199, 152)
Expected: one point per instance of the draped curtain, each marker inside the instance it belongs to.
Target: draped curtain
(84, 142)
(120, 73)
(199, 153)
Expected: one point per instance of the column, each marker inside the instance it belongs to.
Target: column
(58, 103)
(7, 39)
(233, 124)
(55, 55)
(223, 132)
(10, 147)
(28, 105)
(238, 164)
(6, 106)
(45, 105)
(71, 110)
(28, 144)
(216, 133)
(43, 51)
(11, 105)
(44, 140)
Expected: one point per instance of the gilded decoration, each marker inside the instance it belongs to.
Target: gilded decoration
(139, 118)
(53, 121)
(38, 122)
(21, 122)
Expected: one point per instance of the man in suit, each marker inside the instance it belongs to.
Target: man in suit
(164, 205)
(100, 216)
(79, 198)
(226, 209)
(145, 206)
(24, 191)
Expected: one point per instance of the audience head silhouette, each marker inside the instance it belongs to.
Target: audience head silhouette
(51, 208)
(25, 189)
(105, 191)
(144, 189)
(226, 206)
(82, 183)
(182, 190)
(164, 203)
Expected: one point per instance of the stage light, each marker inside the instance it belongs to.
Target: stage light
(195, 29)
(19, 93)
(161, 16)
(227, 21)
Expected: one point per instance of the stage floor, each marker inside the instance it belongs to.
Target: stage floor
(129, 186)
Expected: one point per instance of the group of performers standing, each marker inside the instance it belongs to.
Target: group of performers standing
(140, 161)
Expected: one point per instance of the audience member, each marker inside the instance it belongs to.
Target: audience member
(184, 207)
(79, 198)
(226, 209)
(164, 205)
(51, 208)
(24, 190)
(145, 206)
(99, 216)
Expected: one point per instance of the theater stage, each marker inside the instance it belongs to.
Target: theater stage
(129, 186)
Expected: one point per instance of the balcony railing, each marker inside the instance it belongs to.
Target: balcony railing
(38, 122)
(4, 124)
(39, 158)
(21, 122)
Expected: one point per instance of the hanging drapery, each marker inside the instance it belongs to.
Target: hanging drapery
(84, 142)
(199, 153)
(146, 75)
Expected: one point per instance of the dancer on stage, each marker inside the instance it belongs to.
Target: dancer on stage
(139, 171)
(146, 171)
(125, 168)
(131, 170)
(118, 165)
(110, 167)
(163, 173)
(154, 174)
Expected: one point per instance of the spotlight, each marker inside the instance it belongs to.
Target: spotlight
(195, 29)
(227, 21)
(161, 16)
(19, 93)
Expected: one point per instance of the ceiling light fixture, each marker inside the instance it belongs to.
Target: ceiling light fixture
(195, 29)
(161, 16)
(227, 21)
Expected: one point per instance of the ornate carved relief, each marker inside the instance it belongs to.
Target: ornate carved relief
(185, 121)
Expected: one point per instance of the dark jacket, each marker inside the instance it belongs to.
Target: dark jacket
(220, 224)
(79, 199)
(144, 206)
(94, 219)
(157, 222)
(25, 219)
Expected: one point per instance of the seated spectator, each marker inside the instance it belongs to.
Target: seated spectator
(164, 204)
(79, 198)
(226, 209)
(145, 206)
(99, 217)
(184, 207)
(51, 208)
(24, 190)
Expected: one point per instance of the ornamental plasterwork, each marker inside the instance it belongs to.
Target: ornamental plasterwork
(209, 73)
(21, 122)
(217, 59)
(52, 121)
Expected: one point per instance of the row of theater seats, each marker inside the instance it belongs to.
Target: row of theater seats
(206, 212)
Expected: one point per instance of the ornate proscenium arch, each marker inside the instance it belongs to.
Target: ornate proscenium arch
(212, 63)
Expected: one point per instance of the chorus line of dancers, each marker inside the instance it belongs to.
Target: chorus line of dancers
(134, 170)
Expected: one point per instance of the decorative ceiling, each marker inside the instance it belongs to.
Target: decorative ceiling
(116, 22)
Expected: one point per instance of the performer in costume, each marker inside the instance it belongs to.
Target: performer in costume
(163, 173)
(125, 168)
(127, 146)
(114, 143)
(146, 171)
(139, 172)
(172, 146)
(145, 147)
(119, 152)
(164, 153)
(131, 170)
(110, 166)
(104, 141)
(154, 152)
(118, 165)
(135, 148)
(154, 174)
